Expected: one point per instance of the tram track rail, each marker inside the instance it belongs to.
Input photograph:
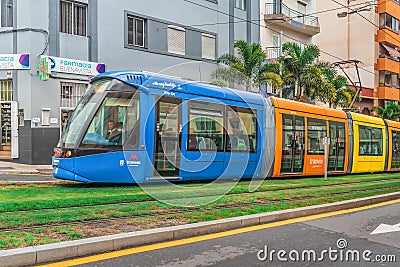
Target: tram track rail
(154, 200)
(94, 222)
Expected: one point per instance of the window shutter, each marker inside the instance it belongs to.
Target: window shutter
(208, 46)
(176, 40)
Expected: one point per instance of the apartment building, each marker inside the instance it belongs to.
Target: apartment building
(287, 21)
(49, 50)
(366, 31)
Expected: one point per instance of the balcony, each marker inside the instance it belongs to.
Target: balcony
(367, 93)
(388, 93)
(391, 7)
(385, 35)
(388, 64)
(282, 15)
(272, 53)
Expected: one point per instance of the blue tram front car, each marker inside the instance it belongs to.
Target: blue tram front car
(135, 127)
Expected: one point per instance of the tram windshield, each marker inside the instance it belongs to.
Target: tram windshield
(81, 113)
(114, 122)
(111, 115)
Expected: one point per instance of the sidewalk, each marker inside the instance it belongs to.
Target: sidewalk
(17, 168)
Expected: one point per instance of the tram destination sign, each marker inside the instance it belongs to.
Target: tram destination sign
(73, 66)
(14, 62)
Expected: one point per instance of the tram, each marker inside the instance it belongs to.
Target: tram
(137, 127)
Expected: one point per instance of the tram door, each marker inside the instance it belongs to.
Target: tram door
(168, 131)
(337, 147)
(293, 144)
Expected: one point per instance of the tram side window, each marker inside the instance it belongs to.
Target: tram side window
(116, 120)
(370, 141)
(206, 131)
(242, 130)
(395, 149)
(316, 133)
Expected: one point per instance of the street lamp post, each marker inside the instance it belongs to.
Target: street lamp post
(345, 13)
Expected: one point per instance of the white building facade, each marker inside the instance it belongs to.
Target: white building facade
(49, 50)
(287, 21)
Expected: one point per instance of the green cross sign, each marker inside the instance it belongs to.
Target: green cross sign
(44, 69)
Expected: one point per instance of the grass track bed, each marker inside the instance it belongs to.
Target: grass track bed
(85, 210)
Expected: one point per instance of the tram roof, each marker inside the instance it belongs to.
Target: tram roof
(170, 83)
(307, 108)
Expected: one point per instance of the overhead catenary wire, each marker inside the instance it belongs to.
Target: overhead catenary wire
(266, 27)
(293, 17)
(366, 19)
(343, 7)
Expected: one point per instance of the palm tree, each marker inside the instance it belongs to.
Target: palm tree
(391, 112)
(250, 63)
(300, 62)
(333, 87)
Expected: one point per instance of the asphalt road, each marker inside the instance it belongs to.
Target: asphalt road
(342, 236)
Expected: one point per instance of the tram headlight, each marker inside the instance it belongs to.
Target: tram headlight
(62, 153)
(58, 153)
(68, 153)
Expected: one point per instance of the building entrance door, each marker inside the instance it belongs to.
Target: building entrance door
(8, 130)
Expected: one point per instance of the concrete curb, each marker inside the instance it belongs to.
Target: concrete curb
(59, 251)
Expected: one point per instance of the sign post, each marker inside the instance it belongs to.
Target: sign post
(326, 142)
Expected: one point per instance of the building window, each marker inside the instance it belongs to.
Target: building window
(208, 46)
(388, 79)
(370, 143)
(386, 20)
(136, 31)
(302, 7)
(176, 40)
(241, 4)
(71, 94)
(73, 18)
(6, 90)
(6, 13)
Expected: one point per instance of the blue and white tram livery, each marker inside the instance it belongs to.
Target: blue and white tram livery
(136, 127)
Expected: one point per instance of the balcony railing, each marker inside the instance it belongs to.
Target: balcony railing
(272, 52)
(297, 18)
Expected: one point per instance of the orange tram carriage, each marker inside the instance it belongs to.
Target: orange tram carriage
(358, 143)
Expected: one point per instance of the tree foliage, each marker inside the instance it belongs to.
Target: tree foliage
(333, 87)
(391, 112)
(248, 67)
(300, 64)
(295, 69)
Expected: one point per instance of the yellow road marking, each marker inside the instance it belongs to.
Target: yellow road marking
(125, 252)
